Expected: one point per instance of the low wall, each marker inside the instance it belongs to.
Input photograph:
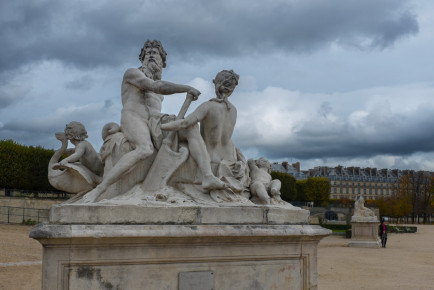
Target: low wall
(29, 202)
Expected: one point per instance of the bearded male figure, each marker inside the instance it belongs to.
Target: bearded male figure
(142, 96)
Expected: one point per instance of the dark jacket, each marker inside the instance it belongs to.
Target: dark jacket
(380, 229)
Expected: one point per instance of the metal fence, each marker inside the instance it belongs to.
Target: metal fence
(18, 215)
(47, 194)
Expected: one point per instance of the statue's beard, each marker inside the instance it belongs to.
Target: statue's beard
(152, 69)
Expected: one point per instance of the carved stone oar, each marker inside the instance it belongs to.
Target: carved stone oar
(167, 159)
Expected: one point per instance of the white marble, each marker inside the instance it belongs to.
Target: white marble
(175, 197)
(131, 256)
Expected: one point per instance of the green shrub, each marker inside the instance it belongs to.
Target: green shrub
(288, 190)
(29, 222)
(401, 229)
(336, 227)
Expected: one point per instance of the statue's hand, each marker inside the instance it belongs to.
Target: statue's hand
(194, 93)
(63, 162)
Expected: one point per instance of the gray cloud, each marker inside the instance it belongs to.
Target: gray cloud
(82, 83)
(375, 127)
(12, 94)
(97, 34)
(41, 130)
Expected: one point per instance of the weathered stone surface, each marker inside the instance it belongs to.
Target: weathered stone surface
(130, 256)
(364, 234)
(132, 214)
(276, 215)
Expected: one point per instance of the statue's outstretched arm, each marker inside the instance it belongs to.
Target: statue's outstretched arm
(136, 78)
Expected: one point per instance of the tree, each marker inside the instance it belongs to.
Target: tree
(301, 190)
(416, 189)
(288, 190)
(317, 190)
(23, 167)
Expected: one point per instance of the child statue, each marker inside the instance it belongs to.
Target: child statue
(264, 189)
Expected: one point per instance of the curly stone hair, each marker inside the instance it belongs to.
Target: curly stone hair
(226, 75)
(75, 131)
(154, 43)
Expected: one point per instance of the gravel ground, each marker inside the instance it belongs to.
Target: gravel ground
(406, 263)
(20, 258)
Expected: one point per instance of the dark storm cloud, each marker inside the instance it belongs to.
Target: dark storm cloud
(41, 130)
(88, 34)
(308, 145)
(372, 130)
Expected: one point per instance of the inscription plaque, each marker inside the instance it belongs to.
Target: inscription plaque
(196, 280)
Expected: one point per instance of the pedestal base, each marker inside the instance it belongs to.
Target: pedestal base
(170, 256)
(263, 251)
(364, 234)
(364, 244)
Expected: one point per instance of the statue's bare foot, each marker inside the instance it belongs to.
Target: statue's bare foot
(92, 195)
(211, 182)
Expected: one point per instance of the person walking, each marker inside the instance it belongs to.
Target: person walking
(383, 233)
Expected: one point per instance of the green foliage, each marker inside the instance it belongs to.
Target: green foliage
(288, 190)
(301, 190)
(317, 189)
(24, 167)
(29, 222)
(336, 227)
(401, 229)
(341, 202)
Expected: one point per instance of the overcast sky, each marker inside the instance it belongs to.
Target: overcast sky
(321, 82)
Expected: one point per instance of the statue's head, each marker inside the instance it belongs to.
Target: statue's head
(263, 163)
(75, 131)
(225, 83)
(150, 45)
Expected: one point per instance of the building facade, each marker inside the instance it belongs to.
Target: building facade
(350, 182)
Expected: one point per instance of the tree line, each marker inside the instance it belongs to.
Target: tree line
(24, 167)
(414, 198)
(316, 189)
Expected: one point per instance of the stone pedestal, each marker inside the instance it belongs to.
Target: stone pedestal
(133, 247)
(364, 233)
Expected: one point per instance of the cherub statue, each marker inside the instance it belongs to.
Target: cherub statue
(83, 152)
(263, 188)
(82, 170)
